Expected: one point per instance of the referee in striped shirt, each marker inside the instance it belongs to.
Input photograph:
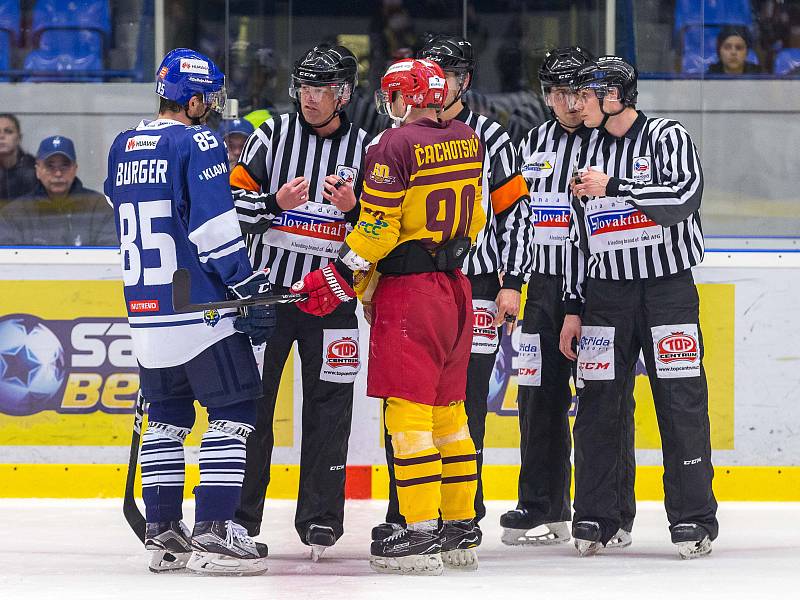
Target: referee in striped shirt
(634, 235)
(548, 155)
(295, 191)
(497, 265)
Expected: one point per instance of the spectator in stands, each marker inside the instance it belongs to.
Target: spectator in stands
(733, 43)
(17, 167)
(235, 133)
(59, 211)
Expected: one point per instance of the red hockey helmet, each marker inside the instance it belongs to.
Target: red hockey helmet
(421, 82)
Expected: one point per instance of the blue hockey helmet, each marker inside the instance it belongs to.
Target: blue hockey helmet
(184, 73)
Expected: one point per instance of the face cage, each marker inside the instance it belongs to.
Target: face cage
(216, 100)
(339, 87)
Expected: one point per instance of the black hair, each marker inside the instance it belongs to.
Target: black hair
(731, 30)
(165, 105)
(13, 119)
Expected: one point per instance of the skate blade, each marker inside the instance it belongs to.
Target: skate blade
(557, 533)
(621, 540)
(162, 561)
(418, 564)
(462, 559)
(690, 550)
(317, 551)
(210, 563)
(587, 548)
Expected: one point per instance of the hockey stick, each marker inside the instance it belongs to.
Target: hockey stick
(129, 508)
(181, 296)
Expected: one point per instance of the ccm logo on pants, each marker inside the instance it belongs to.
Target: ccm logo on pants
(528, 361)
(341, 360)
(595, 354)
(676, 350)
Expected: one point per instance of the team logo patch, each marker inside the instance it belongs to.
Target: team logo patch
(341, 357)
(194, 65)
(142, 142)
(211, 317)
(349, 174)
(641, 169)
(677, 350)
(380, 174)
(485, 337)
(163, 72)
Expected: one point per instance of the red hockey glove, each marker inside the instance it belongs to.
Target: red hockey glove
(326, 290)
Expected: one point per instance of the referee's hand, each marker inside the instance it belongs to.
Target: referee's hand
(339, 193)
(507, 302)
(292, 193)
(571, 330)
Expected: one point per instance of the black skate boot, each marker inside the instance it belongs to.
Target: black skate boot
(459, 540)
(587, 537)
(319, 537)
(169, 545)
(692, 540)
(408, 552)
(521, 529)
(384, 530)
(224, 548)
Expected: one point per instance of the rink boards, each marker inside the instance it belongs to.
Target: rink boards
(68, 380)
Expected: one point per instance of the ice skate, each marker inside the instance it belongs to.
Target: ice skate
(224, 548)
(519, 529)
(691, 539)
(587, 537)
(384, 530)
(319, 537)
(622, 539)
(408, 552)
(459, 541)
(169, 545)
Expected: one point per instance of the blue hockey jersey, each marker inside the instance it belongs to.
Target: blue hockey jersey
(168, 184)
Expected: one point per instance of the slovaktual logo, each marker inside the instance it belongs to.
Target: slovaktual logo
(71, 366)
(342, 353)
(678, 346)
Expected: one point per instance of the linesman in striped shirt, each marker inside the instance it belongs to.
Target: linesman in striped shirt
(548, 154)
(634, 235)
(295, 191)
(503, 247)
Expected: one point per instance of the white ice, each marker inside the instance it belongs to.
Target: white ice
(83, 550)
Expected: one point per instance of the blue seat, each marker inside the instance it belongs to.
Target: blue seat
(700, 49)
(49, 64)
(712, 12)
(78, 42)
(10, 19)
(71, 14)
(5, 52)
(786, 61)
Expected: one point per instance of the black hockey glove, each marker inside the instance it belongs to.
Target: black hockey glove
(257, 321)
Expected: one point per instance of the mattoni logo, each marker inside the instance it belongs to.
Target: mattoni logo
(342, 353)
(142, 142)
(678, 346)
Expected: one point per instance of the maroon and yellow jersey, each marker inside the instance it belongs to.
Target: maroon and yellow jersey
(422, 181)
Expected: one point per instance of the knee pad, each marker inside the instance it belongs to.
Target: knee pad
(241, 412)
(411, 442)
(457, 436)
(178, 413)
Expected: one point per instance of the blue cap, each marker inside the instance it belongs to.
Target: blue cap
(184, 73)
(56, 144)
(229, 126)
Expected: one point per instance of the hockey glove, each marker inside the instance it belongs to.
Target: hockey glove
(258, 322)
(326, 289)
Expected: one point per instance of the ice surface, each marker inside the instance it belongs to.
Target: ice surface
(83, 550)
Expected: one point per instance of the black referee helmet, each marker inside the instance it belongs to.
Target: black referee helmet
(605, 73)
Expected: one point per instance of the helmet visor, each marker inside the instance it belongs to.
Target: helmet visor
(216, 100)
(561, 96)
(316, 91)
(383, 102)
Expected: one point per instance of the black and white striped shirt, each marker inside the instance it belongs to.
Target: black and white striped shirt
(504, 244)
(547, 155)
(295, 242)
(648, 224)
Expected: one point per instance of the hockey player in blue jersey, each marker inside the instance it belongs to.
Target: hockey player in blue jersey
(168, 184)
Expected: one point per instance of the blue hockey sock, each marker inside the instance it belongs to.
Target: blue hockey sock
(222, 463)
(163, 471)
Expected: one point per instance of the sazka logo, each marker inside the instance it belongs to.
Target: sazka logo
(342, 353)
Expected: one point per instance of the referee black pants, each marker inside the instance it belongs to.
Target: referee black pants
(545, 442)
(479, 372)
(660, 317)
(326, 418)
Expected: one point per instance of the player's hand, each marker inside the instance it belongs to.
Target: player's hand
(258, 322)
(339, 193)
(590, 183)
(292, 193)
(507, 302)
(326, 290)
(571, 330)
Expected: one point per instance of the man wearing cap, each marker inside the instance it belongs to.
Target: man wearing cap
(235, 133)
(59, 211)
